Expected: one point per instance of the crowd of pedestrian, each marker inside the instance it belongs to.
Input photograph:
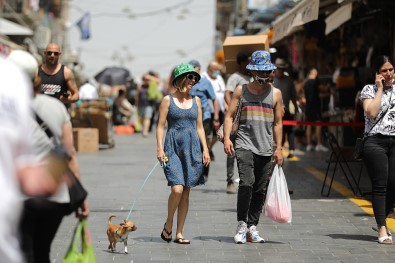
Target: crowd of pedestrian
(186, 113)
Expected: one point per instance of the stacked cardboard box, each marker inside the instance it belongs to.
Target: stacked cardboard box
(86, 139)
(95, 114)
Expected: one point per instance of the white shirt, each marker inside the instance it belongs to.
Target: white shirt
(88, 92)
(16, 150)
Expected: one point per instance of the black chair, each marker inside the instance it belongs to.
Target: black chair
(342, 157)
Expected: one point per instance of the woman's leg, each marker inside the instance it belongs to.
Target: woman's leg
(376, 161)
(182, 212)
(391, 177)
(308, 135)
(318, 133)
(172, 205)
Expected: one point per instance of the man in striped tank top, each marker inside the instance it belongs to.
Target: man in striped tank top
(257, 145)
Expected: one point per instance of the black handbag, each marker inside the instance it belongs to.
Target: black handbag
(358, 150)
(77, 192)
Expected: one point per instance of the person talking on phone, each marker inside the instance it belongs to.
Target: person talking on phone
(379, 149)
(57, 80)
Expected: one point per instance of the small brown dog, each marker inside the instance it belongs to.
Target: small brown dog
(119, 233)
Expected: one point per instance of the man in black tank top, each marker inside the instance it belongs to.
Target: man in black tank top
(57, 79)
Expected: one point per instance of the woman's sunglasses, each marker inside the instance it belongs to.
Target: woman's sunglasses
(191, 77)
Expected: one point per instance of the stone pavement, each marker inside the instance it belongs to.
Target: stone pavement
(323, 229)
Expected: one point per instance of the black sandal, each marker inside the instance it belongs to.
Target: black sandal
(167, 239)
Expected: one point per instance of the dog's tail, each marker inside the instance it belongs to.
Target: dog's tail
(109, 218)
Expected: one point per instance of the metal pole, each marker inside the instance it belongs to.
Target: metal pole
(65, 27)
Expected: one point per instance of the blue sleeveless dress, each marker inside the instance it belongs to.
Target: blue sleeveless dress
(182, 146)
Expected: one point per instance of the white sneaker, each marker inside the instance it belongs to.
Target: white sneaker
(299, 152)
(240, 237)
(253, 235)
(321, 148)
(310, 147)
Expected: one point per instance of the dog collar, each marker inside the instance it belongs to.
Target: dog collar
(121, 238)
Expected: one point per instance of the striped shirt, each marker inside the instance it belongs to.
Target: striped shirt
(256, 122)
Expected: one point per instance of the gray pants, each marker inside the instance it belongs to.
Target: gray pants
(254, 172)
(230, 167)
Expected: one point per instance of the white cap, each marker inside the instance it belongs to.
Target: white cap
(25, 61)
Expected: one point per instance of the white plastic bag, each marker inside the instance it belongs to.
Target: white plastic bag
(278, 203)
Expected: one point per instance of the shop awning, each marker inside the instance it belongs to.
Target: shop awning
(6, 46)
(337, 18)
(9, 28)
(302, 13)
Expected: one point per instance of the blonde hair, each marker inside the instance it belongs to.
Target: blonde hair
(179, 83)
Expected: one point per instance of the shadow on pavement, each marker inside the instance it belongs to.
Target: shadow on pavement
(367, 238)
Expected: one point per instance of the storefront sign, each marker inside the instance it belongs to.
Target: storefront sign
(337, 18)
(302, 13)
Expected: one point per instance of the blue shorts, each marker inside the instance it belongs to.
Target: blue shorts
(146, 112)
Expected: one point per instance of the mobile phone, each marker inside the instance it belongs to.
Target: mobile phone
(382, 81)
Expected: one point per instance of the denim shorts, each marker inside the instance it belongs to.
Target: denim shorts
(146, 112)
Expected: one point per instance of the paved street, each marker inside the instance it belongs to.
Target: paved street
(324, 229)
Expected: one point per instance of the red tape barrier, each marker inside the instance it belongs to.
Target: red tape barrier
(318, 123)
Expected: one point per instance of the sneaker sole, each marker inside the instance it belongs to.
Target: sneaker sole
(263, 241)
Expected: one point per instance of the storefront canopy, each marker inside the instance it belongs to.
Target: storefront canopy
(337, 18)
(302, 13)
(9, 28)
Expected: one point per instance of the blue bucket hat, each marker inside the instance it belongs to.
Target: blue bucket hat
(260, 61)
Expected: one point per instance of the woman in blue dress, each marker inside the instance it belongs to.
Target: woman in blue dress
(184, 152)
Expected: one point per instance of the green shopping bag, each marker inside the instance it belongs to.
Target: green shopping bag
(87, 254)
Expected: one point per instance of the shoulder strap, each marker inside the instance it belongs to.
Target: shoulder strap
(43, 126)
(382, 115)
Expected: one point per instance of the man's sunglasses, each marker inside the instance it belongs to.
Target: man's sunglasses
(191, 77)
(49, 53)
(267, 72)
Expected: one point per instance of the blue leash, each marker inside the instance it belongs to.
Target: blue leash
(141, 188)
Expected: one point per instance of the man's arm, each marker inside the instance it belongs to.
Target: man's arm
(228, 96)
(71, 86)
(278, 126)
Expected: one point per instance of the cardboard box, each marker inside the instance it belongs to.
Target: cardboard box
(86, 139)
(95, 118)
(234, 44)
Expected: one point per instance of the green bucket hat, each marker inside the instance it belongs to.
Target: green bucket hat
(183, 69)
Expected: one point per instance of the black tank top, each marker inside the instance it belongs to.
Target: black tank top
(53, 85)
